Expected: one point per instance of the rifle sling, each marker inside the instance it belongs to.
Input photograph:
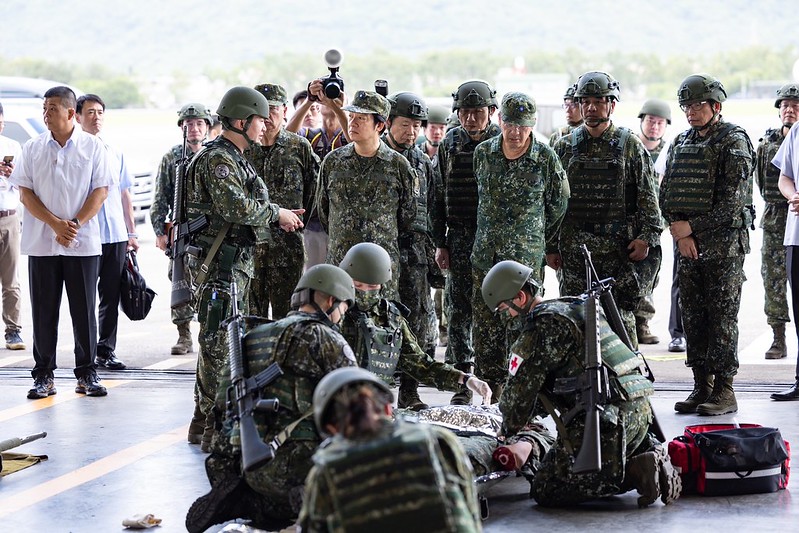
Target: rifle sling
(284, 435)
(203, 274)
(564, 433)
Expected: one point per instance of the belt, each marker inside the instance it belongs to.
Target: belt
(7, 212)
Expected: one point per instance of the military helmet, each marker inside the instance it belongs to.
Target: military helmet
(241, 103)
(598, 84)
(275, 94)
(474, 93)
(789, 91)
(518, 109)
(504, 281)
(370, 103)
(656, 108)
(408, 105)
(697, 87)
(367, 262)
(333, 383)
(194, 110)
(328, 279)
(437, 115)
(569, 95)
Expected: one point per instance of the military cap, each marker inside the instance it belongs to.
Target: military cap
(275, 94)
(370, 103)
(518, 109)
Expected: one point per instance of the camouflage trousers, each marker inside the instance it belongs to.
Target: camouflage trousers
(648, 269)
(556, 485)
(710, 296)
(458, 298)
(775, 277)
(414, 290)
(184, 313)
(276, 275)
(492, 339)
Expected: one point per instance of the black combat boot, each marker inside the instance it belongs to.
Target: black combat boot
(703, 386)
(408, 397)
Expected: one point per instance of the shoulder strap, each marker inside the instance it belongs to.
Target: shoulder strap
(200, 279)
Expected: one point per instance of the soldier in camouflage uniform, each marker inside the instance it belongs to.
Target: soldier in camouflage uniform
(772, 265)
(307, 347)
(222, 184)
(613, 208)
(195, 120)
(706, 197)
(523, 193)
(551, 346)
(408, 115)
(574, 117)
(455, 216)
(655, 116)
(409, 474)
(289, 168)
(378, 331)
(366, 189)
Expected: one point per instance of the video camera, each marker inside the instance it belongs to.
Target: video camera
(333, 84)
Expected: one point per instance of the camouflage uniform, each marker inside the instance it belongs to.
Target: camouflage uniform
(222, 184)
(563, 131)
(710, 287)
(521, 207)
(418, 474)
(613, 201)
(161, 213)
(289, 168)
(454, 227)
(307, 348)
(772, 268)
(366, 199)
(552, 346)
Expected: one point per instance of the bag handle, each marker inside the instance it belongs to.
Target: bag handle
(132, 260)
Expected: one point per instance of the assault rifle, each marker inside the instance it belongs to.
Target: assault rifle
(243, 395)
(181, 233)
(8, 444)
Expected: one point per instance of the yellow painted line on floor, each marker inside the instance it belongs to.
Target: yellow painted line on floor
(667, 357)
(14, 359)
(35, 405)
(172, 362)
(101, 467)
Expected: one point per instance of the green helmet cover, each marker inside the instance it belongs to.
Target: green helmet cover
(333, 383)
(789, 91)
(698, 87)
(367, 262)
(472, 94)
(195, 110)
(241, 103)
(328, 279)
(437, 115)
(598, 84)
(656, 108)
(504, 281)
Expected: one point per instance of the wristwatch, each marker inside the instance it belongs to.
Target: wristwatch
(466, 376)
(76, 221)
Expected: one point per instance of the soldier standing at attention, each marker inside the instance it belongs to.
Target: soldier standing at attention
(407, 117)
(655, 116)
(523, 192)
(411, 474)
(289, 168)
(222, 184)
(767, 177)
(366, 188)
(574, 117)
(613, 208)
(455, 216)
(706, 196)
(195, 119)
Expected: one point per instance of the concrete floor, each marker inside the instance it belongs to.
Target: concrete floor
(113, 457)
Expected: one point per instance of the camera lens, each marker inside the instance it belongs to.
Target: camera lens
(332, 89)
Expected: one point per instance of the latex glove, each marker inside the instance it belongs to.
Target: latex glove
(480, 387)
(141, 521)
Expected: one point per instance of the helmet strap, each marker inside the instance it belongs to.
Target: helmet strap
(396, 143)
(647, 137)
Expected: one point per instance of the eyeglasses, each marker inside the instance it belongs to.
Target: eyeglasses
(570, 105)
(696, 106)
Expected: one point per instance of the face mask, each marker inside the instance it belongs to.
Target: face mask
(365, 300)
(512, 323)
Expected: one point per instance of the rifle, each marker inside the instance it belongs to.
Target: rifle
(181, 232)
(14, 442)
(243, 395)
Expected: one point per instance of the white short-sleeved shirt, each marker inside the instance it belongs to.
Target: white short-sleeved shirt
(787, 160)
(9, 194)
(112, 220)
(62, 178)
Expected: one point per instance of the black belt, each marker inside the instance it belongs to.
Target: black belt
(7, 212)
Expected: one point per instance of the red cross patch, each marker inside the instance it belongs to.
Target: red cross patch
(515, 362)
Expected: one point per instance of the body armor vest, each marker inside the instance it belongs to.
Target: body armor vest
(396, 479)
(597, 184)
(377, 347)
(460, 190)
(770, 173)
(416, 158)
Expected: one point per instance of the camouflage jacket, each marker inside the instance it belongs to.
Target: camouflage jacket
(558, 133)
(425, 181)
(164, 196)
(521, 204)
(722, 231)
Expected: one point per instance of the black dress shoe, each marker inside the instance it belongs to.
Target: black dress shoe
(677, 344)
(110, 361)
(787, 395)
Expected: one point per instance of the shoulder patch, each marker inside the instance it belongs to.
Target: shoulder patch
(515, 362)
(222, 171)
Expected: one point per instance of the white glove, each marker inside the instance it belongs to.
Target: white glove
(480, 387)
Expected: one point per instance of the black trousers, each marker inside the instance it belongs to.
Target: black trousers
(675, 316)
(792, 265)
(112, 264)
(48, 276)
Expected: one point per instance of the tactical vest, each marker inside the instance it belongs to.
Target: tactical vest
(598, 186)
(377, 348)
(460, 191)
(692, 174)
(771, 174)
(388, 483)
(623, 364)
(417, 159)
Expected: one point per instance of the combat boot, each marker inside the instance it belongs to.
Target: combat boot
(703, 386)
(778, 348)
(221, 504)
(645, 335)
(196, 426)
(408, 397)
(184, 344)
(721, 400)
(642, 473)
